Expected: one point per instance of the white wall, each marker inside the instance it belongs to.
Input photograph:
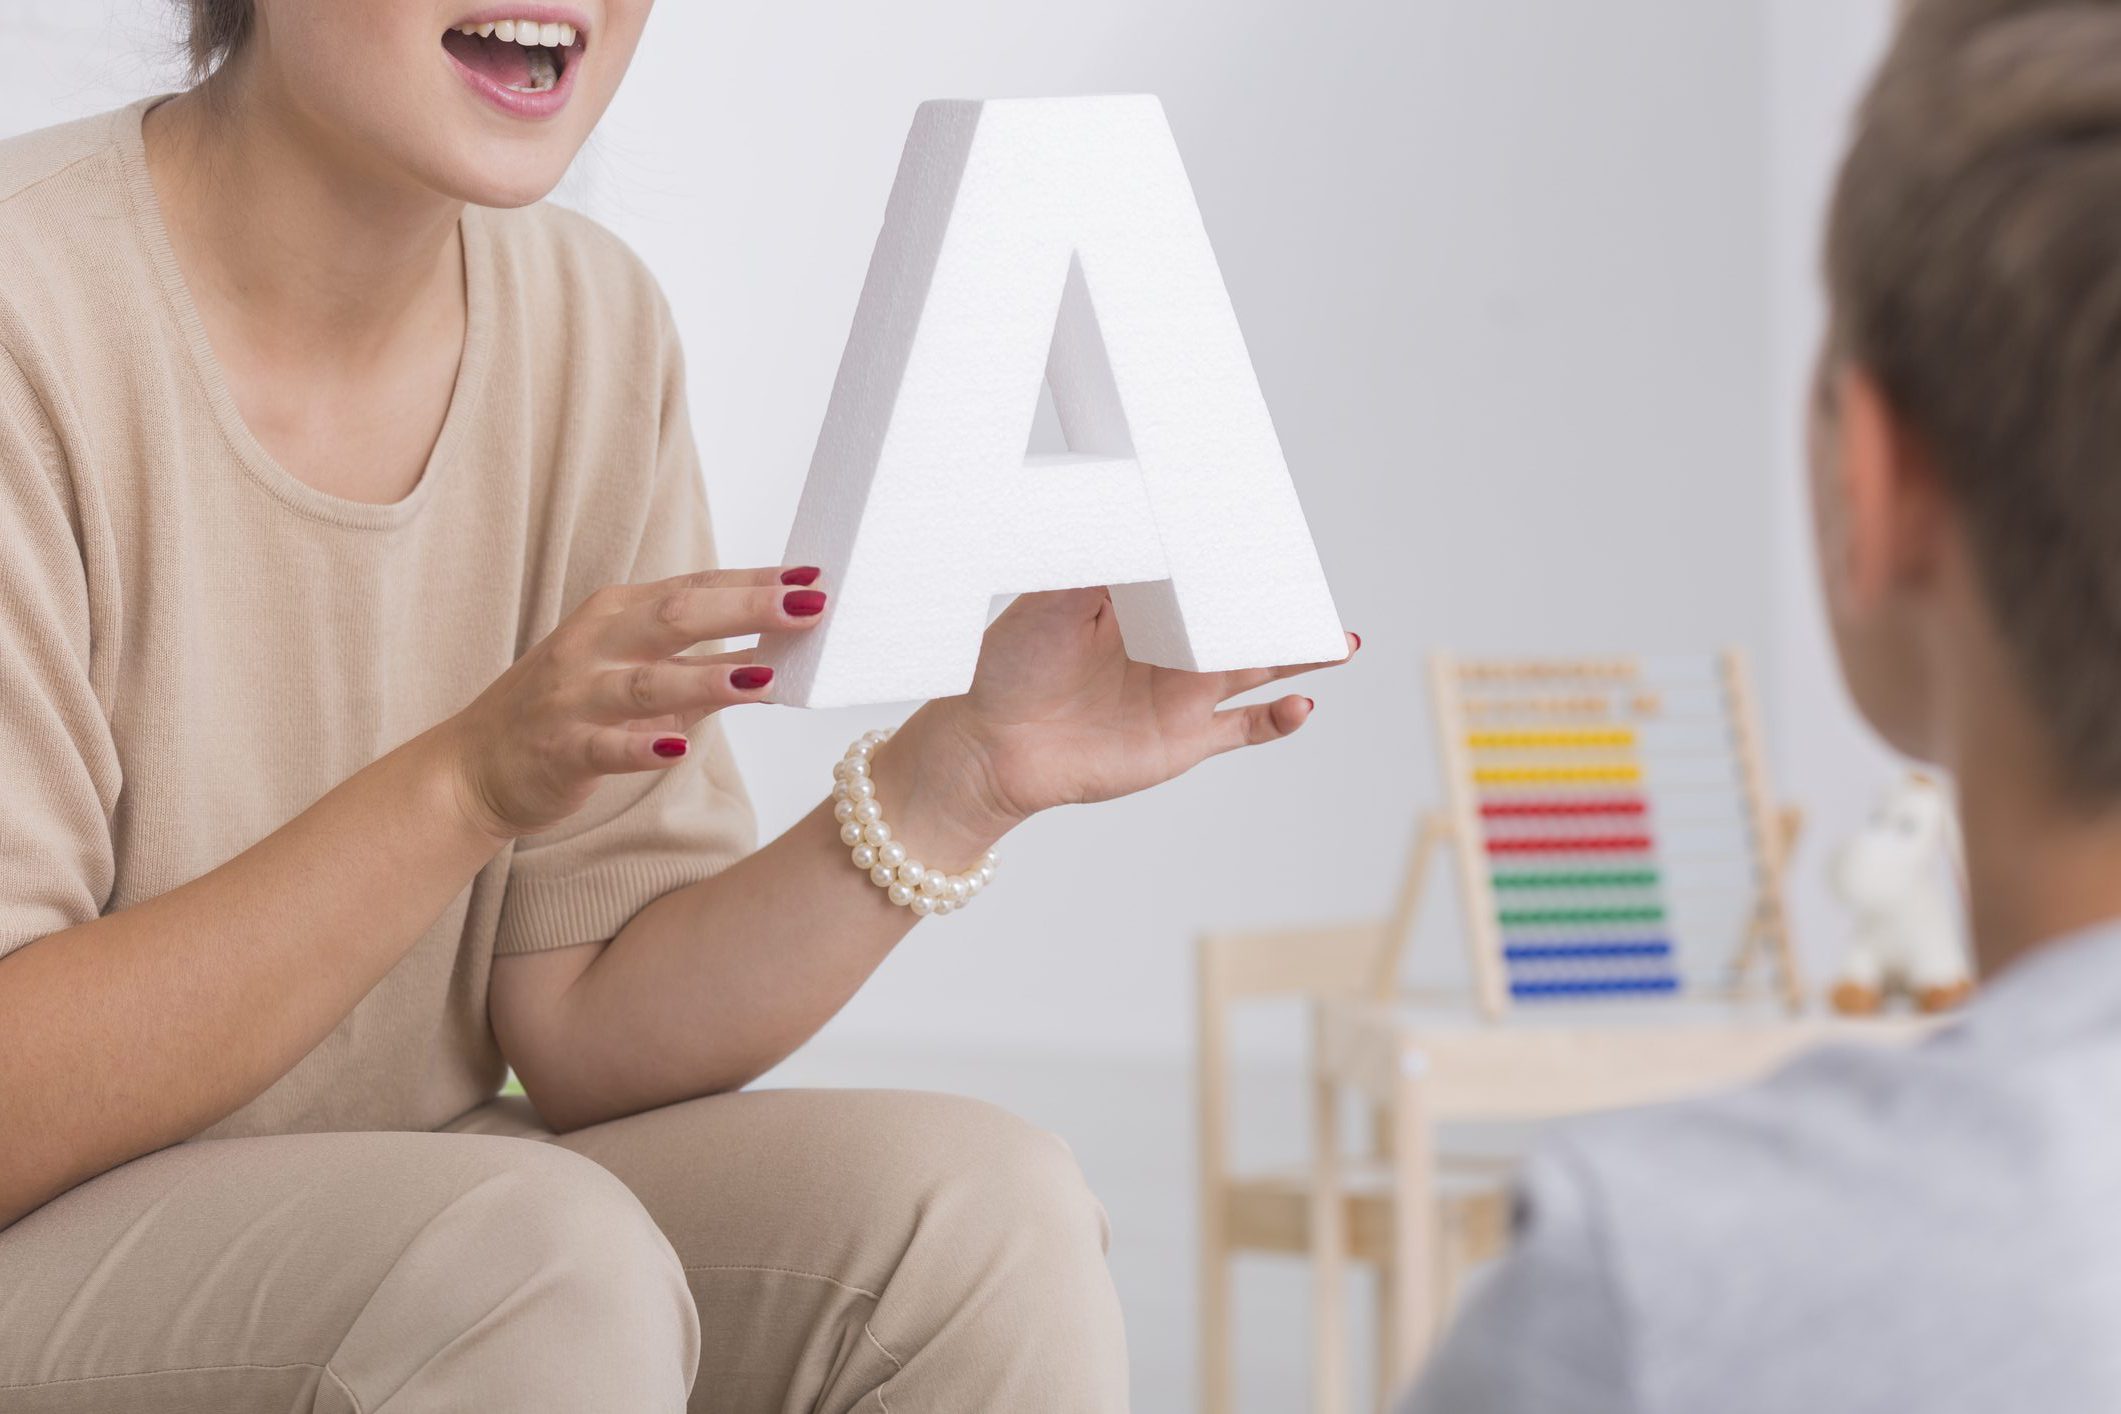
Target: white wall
(1500, 266)
(79, 56)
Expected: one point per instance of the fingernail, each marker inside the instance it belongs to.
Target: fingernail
(803, 603)
(1309, 705)
(747, 678)
(1356, 636)
(801, 574)
(670, 745)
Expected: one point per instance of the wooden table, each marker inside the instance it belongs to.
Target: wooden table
(1416, 1072)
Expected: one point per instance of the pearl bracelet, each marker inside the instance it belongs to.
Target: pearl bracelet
(905, 880)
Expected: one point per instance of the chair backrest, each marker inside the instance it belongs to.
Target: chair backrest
(1347, 960)
(1334, 961)
(1235, 967)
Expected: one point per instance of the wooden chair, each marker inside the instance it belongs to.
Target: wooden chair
(1419, 1219)
(1277, 1212)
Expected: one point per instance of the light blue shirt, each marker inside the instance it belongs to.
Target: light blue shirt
(1933, 1229)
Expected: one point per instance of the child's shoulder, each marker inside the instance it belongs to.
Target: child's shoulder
(1732, 1228)
(1838, 1103)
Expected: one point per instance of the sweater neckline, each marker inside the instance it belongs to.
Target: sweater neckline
(262, 467)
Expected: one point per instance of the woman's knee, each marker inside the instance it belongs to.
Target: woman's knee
(1002, 1298)
(552, 1262)
(992, 1180)
(573, 1230)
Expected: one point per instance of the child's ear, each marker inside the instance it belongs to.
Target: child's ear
(1890, 500)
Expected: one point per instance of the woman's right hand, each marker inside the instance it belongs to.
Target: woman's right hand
(612, 690)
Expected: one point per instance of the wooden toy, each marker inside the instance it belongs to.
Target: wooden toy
(1892, 875)
(1612, 827)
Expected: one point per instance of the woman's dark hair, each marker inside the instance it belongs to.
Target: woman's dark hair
(216, 30)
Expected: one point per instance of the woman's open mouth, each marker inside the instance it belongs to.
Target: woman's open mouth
(522, 64)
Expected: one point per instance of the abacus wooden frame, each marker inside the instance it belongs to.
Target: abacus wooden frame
(1771, 830)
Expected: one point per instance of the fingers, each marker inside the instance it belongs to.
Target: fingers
(1060, 606)
(1245, 679)
(669, 617)
(683, 688)
(1258, 724)
(613, 597)
(1085, 603)
(614, 751)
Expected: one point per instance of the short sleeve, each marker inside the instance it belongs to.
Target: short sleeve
(1543, 1329)
(641, 834)
(59, 772)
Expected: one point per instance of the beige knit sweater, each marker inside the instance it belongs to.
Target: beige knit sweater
(195, 645)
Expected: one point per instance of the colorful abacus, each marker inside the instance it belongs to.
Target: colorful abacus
(1577, 787)
(1572, 861)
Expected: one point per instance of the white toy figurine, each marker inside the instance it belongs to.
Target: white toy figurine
(1906, 939)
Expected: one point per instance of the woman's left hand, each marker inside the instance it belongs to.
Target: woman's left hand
(1059, 715)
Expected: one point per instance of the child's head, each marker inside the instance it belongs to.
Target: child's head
(1967, 458)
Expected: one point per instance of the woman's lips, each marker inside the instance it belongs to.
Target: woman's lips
(524, 80)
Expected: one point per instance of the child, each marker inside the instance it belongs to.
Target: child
(1938, 1227)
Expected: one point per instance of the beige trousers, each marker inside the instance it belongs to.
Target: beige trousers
(775, 1250)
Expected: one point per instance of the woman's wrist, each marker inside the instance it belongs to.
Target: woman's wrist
(436, 760)
(936, 783)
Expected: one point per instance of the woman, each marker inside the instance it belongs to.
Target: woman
(354, 549)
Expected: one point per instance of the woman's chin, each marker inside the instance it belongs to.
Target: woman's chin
(506, 195)
(508, 176)
(458, 156)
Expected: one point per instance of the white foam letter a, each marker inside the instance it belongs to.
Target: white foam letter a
(1051, 240)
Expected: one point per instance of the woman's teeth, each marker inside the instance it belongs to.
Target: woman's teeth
(522, 32)
(524, 56)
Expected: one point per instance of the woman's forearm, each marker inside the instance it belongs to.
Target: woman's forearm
(713, 984)
(144, 1026)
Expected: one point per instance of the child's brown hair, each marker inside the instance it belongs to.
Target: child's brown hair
(1973, 261)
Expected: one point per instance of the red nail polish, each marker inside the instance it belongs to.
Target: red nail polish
(1356, 636)
(803, 603)
(1309, 705)
(746, 678)
(670, 745)
(801, 574)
